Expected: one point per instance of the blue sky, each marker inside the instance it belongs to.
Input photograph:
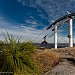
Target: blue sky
(28, 18)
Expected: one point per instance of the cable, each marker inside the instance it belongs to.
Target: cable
(53, 34)
(39, 35)
(63, 39)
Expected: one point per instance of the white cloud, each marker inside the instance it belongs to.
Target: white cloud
(31, 21)
(27, 33)
(34, 22)
(19, 0)
(52, 7)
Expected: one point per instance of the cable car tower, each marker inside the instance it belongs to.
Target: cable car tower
(67, 18)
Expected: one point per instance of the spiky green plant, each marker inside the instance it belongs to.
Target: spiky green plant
(16, 57)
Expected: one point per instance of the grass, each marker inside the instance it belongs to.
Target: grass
(23, 59)
(47, 59)
(16, 57)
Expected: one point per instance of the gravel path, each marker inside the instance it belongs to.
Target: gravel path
(65, 67)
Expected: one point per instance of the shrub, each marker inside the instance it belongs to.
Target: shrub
(47, 59)
(17, 58)
(28, 46)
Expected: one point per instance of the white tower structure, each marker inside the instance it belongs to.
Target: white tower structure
(71, 32)
(55, 37)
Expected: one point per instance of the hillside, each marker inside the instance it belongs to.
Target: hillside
(67, 64)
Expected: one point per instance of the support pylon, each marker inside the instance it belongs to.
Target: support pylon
(55, 37)
(71, 33)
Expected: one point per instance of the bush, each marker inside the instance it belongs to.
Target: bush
(28, 46)
(47, 59)
(17, 58)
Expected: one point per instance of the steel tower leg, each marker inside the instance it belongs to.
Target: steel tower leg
(71, 33)
(55, 37)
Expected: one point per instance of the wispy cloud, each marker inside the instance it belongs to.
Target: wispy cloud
(31, 21)
(27, 33)
(43, 11)
(54, 8)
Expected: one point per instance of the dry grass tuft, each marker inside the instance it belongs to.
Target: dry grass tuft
(47, 59)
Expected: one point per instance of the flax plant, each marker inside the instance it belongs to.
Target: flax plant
(16, 57)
